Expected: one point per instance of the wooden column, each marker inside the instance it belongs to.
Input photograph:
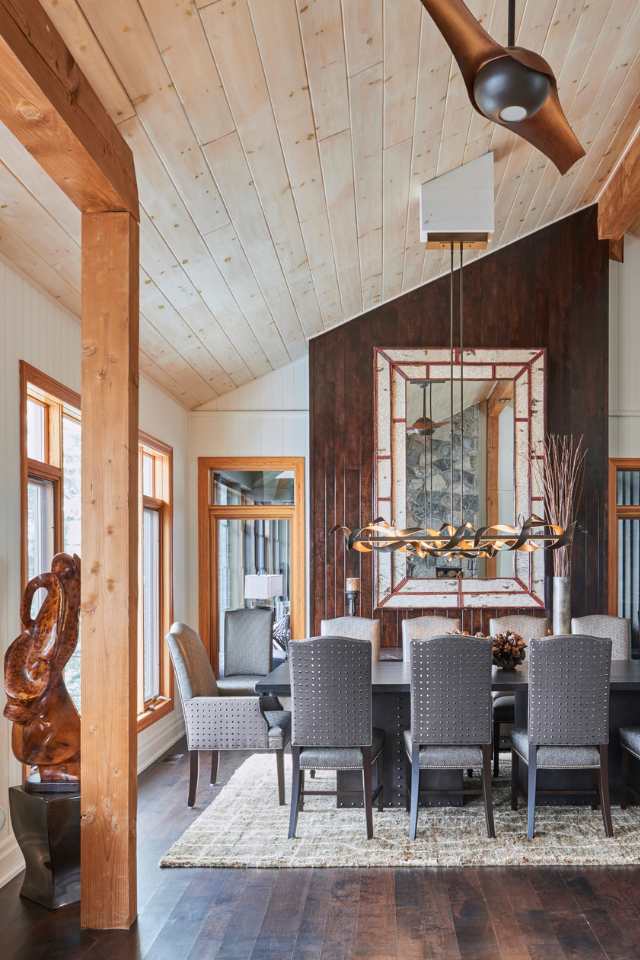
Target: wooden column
(109, 567)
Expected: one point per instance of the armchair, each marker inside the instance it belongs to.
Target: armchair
(216, 723)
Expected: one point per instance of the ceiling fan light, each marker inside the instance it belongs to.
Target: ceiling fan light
(504, 89)
(513, 114)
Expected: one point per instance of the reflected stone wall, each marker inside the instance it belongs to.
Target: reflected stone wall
(436, 466)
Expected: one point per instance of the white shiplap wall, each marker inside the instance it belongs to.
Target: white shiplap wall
(624, 352)
(33, 327)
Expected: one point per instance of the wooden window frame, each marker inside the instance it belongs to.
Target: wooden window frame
(208, 514)
(151, 711)
(54, 396)
(617, 512)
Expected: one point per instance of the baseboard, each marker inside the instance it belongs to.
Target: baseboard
(11, 860)
(158, 739)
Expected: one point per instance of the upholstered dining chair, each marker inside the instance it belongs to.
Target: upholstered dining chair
(355, 628)
(423, 628)
(450, 714)
(216, 723)
(331, 703)
(568, 725)
(630, 743)
(617, 629)
(504, 702)
(247, 650)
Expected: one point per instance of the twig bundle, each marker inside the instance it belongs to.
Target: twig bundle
(560, 473)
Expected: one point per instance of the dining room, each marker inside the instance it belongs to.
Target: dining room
(321, 516)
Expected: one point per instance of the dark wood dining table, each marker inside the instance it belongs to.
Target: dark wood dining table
(390, 683)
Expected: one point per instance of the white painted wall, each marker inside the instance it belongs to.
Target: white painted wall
(624, 352)
(35, 328)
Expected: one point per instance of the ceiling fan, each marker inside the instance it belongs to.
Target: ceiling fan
(510, 85)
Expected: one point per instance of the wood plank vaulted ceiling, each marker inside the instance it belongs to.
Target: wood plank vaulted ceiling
(279, 147)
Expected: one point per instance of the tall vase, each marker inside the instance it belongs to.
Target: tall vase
(562, 605)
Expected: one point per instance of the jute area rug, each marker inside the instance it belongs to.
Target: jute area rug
(245, 827)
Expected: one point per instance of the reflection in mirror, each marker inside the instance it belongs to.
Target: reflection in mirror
(480, 488)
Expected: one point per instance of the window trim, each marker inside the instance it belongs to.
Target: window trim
(617, 512)
(207, 547)
(163, 704)
(55, 397)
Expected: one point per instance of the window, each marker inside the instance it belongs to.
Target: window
(155, 602)
(51, 522)
(624, 543)
(251, 527)
(51, 484)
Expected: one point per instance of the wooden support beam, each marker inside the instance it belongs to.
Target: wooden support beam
(47, 102)
(110, 567)
(616, 249)
(619, 202)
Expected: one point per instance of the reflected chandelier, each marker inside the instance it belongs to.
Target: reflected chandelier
(461, 540)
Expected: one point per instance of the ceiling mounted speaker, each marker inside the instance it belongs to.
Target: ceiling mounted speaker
(510, 85)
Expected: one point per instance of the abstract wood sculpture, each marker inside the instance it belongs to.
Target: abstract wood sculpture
(46, 724)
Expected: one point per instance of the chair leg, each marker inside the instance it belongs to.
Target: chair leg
(487, 790)
(193, 776)
(214, 766)
(531, 789)
(295, 791)
(380, 781)
(626, 795)
(415, 792)
(496, 748)
(367, 789)
(515, 780)
(301, 803)
(407, 783)
(595, 803)
(280, 771)
(605, 802)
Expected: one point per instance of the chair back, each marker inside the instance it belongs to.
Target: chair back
(529, 628)
(194, 673)
(424, 628)
(248, 641)
(356, 628)
(331, 701)
(451, 691)
(616, 629)
(569, 691)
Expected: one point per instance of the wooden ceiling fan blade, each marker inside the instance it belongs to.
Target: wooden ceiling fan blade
(550, 132)
(470, 43)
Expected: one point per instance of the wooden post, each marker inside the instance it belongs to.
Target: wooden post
(110, 567)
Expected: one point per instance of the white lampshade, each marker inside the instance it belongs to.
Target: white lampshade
(262, 586)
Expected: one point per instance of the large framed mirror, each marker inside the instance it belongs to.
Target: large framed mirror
(493, 421)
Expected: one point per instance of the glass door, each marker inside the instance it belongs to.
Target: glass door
(624, 544)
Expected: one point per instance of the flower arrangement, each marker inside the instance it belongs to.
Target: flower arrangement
(509, 649)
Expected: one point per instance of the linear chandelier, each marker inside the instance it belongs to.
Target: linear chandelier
(457, 538)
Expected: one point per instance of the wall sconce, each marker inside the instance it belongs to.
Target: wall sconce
(352, 590)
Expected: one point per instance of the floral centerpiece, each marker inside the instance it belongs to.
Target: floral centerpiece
(509, 649)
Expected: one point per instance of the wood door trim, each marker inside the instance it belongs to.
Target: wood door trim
(208, 513)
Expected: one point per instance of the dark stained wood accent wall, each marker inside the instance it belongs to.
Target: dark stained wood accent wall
(549, 289)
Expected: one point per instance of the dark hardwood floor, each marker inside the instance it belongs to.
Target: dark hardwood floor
(449, 914)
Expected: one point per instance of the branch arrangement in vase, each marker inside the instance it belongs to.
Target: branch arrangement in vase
(559, 471)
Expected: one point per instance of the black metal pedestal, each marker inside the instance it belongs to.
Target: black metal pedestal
(47, 828)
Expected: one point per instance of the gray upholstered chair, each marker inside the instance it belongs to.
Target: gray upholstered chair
(504, 702)
(355, 628)
(450, 714)
(617, 629)
(247, 652)
(423, 628)
(630, 743)
(568, 725)
(331, 718)
(218, 723)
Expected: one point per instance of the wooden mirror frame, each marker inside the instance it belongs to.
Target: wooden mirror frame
(392, 369)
